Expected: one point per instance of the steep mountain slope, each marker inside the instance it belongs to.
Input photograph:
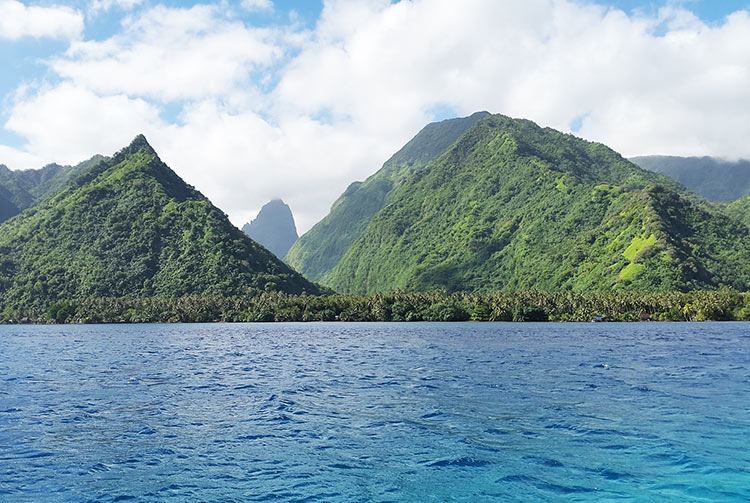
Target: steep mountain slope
(712, 178)
(130, 226)
(740, 209)
(513, 206)
(26, 188)
(273, 228)
(320, 249)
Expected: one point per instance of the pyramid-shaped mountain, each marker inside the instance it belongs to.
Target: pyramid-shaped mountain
(130, 227)
(514, 206)
(319, 250)
(273, 228)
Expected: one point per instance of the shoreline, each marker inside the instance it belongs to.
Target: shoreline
(526, 306)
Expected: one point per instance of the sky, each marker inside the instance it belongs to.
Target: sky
(251, 100)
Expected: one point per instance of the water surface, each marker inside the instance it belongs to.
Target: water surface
(347, 412)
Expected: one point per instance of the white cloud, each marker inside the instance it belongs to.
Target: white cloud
(67, 123)
(644, 84)
(18, 20)
(18, 159)
(254, 5)
(347, 94)
(240, 161)
(172, 54)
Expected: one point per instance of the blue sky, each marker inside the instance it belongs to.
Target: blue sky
(708, 10)
(254, 99)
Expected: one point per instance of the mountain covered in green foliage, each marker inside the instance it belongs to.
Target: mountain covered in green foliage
(273, 228)
(740, 209)
(320, 249)
(715, 179)
(23, 189)
(130, 227)
(512, 206)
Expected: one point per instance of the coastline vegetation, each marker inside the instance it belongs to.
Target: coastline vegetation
(721, 305)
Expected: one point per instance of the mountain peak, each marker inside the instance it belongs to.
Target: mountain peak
(318, 251)
(480, 114)
(274, 227)
(139, 144)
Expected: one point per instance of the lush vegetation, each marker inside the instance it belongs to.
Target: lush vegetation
(519, 306)
(20, 190)
(130, 227)
(715, 179)
(320, 249)
(273, 228)
(511, 206)
(740, 210)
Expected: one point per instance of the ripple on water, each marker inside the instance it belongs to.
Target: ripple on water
(375, 412)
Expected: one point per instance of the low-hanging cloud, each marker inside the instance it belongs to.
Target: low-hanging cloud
(300, 113)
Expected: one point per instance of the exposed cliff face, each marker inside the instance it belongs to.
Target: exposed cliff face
(273, 228)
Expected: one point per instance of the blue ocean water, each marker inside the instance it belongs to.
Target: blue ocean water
(375, 412)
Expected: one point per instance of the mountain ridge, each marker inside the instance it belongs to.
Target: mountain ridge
(317, 251)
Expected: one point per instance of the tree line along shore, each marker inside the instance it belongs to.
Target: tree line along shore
(719, 305)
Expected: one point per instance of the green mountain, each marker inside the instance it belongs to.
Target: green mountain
(320, 249)
(715, 179)
(514, 206)
(273, 228)
(23, 189)
(130, 227)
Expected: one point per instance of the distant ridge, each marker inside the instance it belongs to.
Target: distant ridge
(273, 228)
(715, 179)
(24, 188)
